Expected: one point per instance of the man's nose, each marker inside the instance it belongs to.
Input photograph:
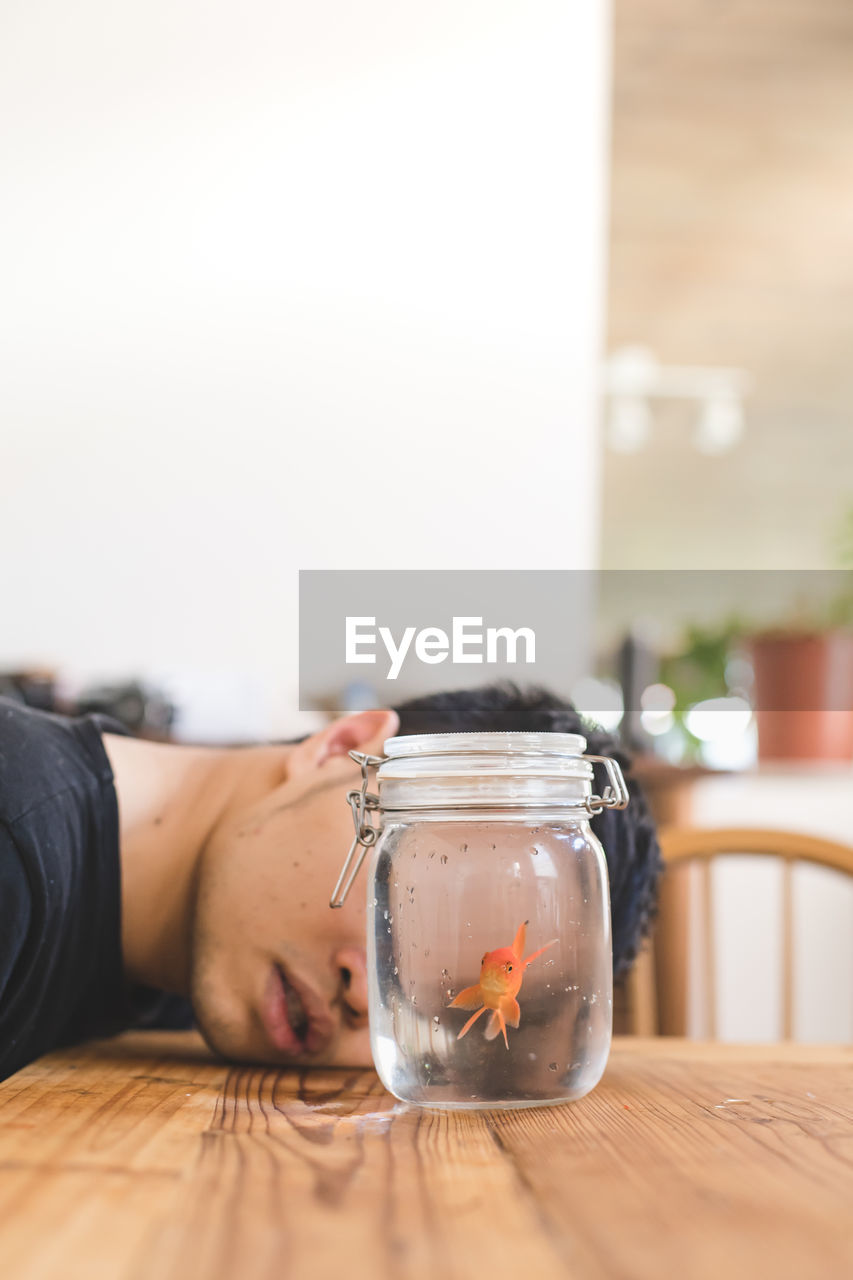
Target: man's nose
(352, 965)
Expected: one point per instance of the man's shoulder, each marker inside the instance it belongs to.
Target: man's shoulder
(41, 755)
(60, 930)
(15, 906)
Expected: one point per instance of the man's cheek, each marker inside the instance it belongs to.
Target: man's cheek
(352, 1050)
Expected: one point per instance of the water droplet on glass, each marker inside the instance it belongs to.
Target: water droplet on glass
(426, 953)
(445, 973)
(552, 1066)
(464, 848)
(532, 1057)
(444, 858)
(385, 913)
(435, 1019)
(432, 854)
(396, 970)
(414, 999)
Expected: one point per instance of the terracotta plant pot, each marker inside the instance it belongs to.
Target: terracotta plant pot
(804, 695)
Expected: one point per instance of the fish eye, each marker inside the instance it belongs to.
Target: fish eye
(509, 968)
(483, 961)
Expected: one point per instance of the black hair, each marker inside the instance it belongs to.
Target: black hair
(628, 835)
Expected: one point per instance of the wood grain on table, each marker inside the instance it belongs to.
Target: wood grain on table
(142, 1157)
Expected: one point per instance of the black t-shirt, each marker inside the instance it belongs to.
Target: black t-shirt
(61, 976)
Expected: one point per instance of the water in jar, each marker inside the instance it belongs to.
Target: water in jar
(442, 895)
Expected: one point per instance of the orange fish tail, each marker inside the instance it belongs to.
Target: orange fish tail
(496, 1024)
(469, 1024)
(511, 1011)
(533, 956)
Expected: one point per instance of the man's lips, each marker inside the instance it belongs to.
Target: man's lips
(297, 1020)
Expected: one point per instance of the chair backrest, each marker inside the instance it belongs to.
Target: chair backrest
(658, 990)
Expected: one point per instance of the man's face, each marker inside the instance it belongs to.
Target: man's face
(277, 975)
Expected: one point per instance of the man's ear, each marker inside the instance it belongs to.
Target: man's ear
(364, 731)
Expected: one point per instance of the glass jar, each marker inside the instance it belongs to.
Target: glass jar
(488, 925)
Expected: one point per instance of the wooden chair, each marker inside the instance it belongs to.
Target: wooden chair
(657, 990)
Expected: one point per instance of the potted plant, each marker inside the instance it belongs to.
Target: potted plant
(804, 693)
(803, 690)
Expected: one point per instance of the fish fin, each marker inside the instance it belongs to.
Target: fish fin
(469, 1024)
(511, 1010)
(468, 998)
(496, 1026)
(518, 943)
(533, 956)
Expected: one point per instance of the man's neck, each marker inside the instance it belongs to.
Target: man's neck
(170, 800)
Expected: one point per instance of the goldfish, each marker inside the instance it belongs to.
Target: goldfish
(501, 975)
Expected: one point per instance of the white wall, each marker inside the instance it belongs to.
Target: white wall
(288, 286)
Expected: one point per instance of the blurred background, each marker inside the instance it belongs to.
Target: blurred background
(489, 286)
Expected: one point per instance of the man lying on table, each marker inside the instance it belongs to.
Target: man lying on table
(137, 876)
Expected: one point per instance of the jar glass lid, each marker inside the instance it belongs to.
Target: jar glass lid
(522, 743)
(471, 771)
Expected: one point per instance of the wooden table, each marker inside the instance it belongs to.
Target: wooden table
(141, 1158)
